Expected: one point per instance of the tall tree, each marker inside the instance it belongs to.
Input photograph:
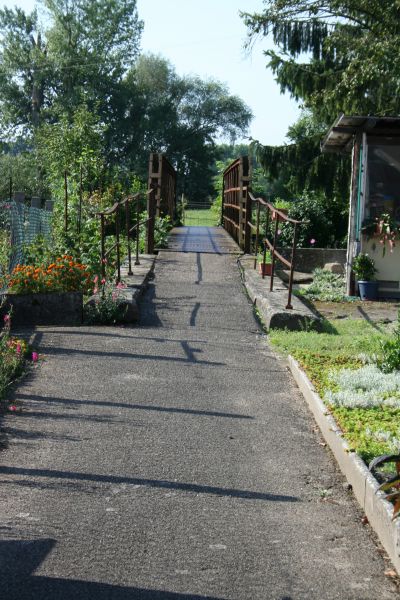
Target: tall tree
(182, 116)
(335, 55)
(81, 55)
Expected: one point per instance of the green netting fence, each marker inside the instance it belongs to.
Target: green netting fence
(20, 224)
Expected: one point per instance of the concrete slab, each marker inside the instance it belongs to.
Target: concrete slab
(272, 305)
(209, 240)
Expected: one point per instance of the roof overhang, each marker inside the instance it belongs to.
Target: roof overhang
(341, 135)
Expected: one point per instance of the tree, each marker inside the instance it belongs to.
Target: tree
(82, 55)
(181, 116)
(335, 55)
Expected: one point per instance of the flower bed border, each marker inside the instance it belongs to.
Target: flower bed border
(378, 510)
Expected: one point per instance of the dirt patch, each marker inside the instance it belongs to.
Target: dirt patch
(384, 311)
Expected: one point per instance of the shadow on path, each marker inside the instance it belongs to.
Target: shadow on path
(151, 483)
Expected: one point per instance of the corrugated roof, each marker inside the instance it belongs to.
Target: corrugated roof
(340, 136)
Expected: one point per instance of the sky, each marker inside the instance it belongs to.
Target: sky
(206, 38)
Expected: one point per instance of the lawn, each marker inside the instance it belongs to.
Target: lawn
(339, 362)
(201, 218)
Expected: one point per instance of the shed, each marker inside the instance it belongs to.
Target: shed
(375, 190)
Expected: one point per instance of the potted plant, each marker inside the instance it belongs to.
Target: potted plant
(364, 270)
(265, 268)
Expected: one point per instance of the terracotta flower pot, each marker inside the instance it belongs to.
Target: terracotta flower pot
(265, 269)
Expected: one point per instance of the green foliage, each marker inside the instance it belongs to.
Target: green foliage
(316, 209)
(326, 287)
(370, 431)
(106, 308)
(350, 48)
(389, 358)
(364, 267)
(11, 360)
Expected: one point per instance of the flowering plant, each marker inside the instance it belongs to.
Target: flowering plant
(387, 229)
(63, 275)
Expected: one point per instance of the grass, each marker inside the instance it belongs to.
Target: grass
(201, 218)
(345, 345)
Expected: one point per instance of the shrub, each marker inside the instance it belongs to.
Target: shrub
(364, 267)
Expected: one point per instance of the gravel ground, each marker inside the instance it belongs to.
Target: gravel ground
(175, 460)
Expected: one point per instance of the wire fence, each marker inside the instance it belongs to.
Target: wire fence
(20, 225)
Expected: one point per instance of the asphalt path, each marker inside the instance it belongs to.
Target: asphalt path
(175, 460)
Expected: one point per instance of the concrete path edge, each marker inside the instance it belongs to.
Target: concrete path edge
(272, 305)
(378, 510)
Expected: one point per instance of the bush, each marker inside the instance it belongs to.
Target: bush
(107, 307)
(364, 267)
(63, 275)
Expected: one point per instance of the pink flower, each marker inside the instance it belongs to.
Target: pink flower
(312, 241)
(35, 356)
(96, 290)
(104, 261)
(103, 281)
(18, 349)
(121, 285)
(6, 319)
(96, 278)
(279, 231)
(12, 408)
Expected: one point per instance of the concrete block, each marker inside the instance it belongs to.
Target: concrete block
(55, 308)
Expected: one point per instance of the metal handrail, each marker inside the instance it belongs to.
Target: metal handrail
(278, 216)
(115, 209)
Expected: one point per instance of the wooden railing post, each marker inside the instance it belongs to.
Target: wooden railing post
(257, 234)
(128, 234)
(137, 261)
(151, 214)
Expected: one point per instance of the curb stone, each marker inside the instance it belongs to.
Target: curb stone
(378, 510)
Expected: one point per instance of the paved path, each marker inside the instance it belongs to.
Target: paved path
(174, 461)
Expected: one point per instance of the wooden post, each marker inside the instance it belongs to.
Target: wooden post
(257, 234)
(137, 261)
(151, 213)
(128, 235)
(351, 236)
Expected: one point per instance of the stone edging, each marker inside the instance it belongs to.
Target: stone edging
(378, 510)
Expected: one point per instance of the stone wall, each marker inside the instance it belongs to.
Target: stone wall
(307, 259)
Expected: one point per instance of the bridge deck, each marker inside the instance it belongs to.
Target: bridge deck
(209, 240)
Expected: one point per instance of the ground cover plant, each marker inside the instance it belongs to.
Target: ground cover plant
(343, 364)
(326, 287)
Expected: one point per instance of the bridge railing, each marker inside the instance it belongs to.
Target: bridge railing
(114, 213)
(235, 201)
(162, 178)
(278, 217)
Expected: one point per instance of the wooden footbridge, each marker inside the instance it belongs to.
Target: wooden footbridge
(247, 223)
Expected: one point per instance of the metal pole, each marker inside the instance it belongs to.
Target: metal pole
(137, 261)
(80, 202)
(117, 224)
(289, 303)
(265, 243)
(128, 235)
(66, 202)
(103, 249)
(257, 234)
(271, 287)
